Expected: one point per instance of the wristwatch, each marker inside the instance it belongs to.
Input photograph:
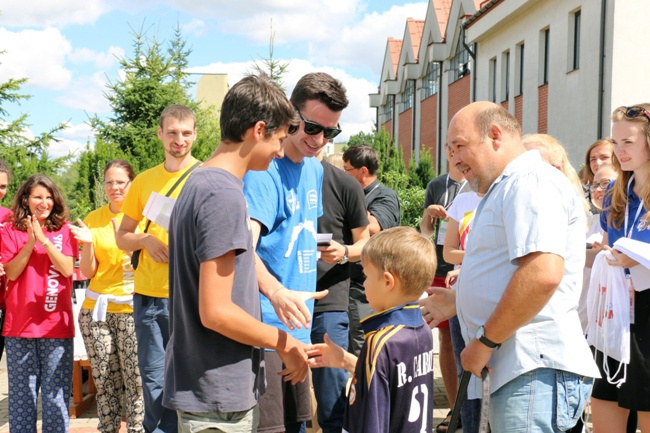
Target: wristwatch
(480, 336)
(345, 257)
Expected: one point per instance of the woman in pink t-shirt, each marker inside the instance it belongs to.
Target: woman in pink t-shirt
(38, 252)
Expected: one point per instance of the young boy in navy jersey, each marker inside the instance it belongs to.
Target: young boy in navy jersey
(392, 385)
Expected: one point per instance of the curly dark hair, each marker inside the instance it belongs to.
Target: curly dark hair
(59, 215)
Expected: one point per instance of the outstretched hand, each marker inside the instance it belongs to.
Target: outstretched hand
(327, 354)
(439, 306)
(81, 232)
(291, 307)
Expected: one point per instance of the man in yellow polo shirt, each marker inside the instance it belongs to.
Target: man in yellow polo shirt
(177, 131)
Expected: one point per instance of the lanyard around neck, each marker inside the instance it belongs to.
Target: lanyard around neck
(458, 188)
(627, 210)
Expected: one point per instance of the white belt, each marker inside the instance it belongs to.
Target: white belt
(101, 304)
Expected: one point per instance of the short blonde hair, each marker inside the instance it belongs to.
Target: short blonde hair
(406, 254)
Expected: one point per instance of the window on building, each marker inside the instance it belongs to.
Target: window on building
(459, 64)
(431, 80)
(544, 42)
(388, 108)
(492, 90)
(505, 75)
(574, 40)
(408, 95)
(519, 70)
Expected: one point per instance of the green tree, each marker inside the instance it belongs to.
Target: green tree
(271, 67)
(24, 154)
(155, 77)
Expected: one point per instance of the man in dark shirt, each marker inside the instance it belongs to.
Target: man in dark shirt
(344, 216)
(362, 163)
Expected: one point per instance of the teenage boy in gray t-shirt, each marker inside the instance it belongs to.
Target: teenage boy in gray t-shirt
(214, 363)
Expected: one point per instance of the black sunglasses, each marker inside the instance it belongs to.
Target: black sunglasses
(313, 128)
(633, 112)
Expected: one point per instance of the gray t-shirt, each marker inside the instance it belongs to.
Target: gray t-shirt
(205, 371)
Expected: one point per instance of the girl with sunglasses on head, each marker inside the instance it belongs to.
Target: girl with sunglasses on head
(625, 213)
(106, 316)
(38, 253)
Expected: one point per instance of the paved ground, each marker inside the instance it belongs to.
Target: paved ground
(87, 422)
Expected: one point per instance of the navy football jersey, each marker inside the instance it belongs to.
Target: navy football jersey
(392, 387)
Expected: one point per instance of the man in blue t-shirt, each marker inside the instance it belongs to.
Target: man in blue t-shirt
(284, 204)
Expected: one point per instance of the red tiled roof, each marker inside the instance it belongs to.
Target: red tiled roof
(415, 28)
(443, 7)
(394, 46)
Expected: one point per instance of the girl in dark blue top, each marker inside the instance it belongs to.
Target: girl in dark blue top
(626, 206)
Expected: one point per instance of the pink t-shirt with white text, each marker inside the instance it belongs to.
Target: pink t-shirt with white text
(39, 301)
(4, 213)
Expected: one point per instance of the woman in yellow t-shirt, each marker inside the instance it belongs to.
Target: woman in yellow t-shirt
(106, 317)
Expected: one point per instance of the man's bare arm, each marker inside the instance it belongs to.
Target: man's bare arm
(128, 240)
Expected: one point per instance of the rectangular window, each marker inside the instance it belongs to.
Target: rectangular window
(519, 70)
(544, 41)
(388, 108)
(492, 90)
(505, 75)
(459, 64)
(408, 95)
(431, 80)
(574, 40)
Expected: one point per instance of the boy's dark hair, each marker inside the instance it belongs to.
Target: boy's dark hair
(322, 87)
(406, 254)
(253, 99)
(177, 111)
(4, 168)
(362, 155)
(59, 214)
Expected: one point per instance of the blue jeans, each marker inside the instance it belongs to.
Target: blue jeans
(329, 383)
(151, 316)
(544, 400)
(470, 412)
(33, 365)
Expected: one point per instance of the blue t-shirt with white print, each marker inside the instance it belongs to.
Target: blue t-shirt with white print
(286, 200)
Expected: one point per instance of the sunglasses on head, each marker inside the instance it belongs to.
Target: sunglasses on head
(313, 128)
(633, 112)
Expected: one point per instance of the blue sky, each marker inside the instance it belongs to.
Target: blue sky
(68, 49)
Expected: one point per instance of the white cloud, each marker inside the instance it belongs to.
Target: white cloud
(38, 55)
(194, 27)
(42, 13)
(364, 43)
(87, 94)
(357, 117)
(72, 140)
(102, 60)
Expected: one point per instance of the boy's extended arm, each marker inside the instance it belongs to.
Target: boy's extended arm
(219, 313)
(329, 354)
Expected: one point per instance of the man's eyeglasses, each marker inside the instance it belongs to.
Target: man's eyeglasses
(634, 112)
(603, 184)
(118, 183)
(313, 128)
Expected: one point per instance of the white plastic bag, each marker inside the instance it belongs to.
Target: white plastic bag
(608, 310)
